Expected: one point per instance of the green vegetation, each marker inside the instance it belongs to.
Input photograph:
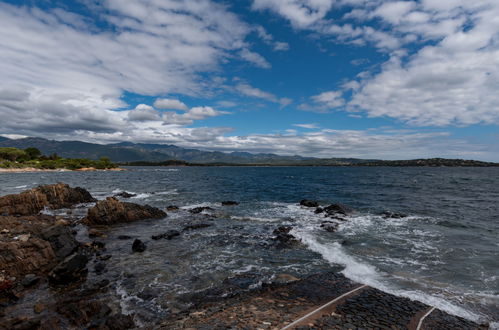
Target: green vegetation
(32, 157)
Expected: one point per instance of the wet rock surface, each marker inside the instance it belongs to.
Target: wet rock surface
(200, 209)
(337, 208)
(279, 304)
(138, 246)
(167, 235)
(283, 236)
(54, 196)
(230, 203)
(111, 211)
(309, 203)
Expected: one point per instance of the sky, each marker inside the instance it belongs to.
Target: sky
(325, 78)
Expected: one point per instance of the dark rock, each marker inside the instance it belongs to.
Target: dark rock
(55, 196)
(148, 294)
(120, 322)
(393, 215)
(168, 235)
(172, 208)
(319, 210)
(125, 194)
(124, 237)
(69, 270)
(229, 203)
(111, 211)
(200, 209)
(138, 246)
(62, 241)
(30, 280)
(337, 209)
(196, 226)
(95, 233)
(329, 226)
(308, 203)
(96, 245)
(283, 236)
(100, 268)
(105, 257)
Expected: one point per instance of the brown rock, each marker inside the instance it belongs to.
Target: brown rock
(54, 196)
(111, 211)
(38, 308)
(19, 258)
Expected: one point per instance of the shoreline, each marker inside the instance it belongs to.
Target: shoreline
(34, 169)
(52, 255)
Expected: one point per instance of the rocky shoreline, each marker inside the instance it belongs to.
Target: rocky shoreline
(33, 169)
(44, 268)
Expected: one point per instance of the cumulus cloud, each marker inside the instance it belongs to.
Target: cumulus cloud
(443, 66)
(308, 126)
(171, 104)
(143, 112)
(61, 71)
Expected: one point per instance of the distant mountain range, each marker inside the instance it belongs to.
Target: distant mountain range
(132, 152)
(127, 152)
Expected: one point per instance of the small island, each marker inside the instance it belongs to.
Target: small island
(31, 159)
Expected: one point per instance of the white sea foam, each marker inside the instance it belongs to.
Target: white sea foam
(142, 196)
(168, 192)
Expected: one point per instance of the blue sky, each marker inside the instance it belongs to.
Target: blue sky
(326, 78)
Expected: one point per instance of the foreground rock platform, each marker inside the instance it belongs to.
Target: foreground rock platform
(294, 305)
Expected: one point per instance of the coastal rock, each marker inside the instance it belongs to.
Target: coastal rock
(55, 196)
(329, 226)
(95, 233)
(168, 235)
(120, 322)
(111, 211)
(71, 269)
(283, 236)
(138, 246)
(200, 209)
(337, 209)
(393, 215)
(196, 226)
(282, 279)
(172, 208)
(308, 203)
(229, 203)
(30, 280)
(319, 210)
(62, 241)
(125, 194)
(20, 258)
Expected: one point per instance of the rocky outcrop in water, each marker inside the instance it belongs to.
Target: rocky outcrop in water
(138, 246)
(55, 196)
(229, 203)
(168, 235)
(200, 209)
(308, 203)
(337, 208)
(111, 211)
(283, 236)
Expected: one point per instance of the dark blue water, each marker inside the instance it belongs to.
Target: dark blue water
(445, 252)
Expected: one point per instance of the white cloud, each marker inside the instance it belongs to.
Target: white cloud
(269, 40)
(301, 13)
(69, 74)
(187, 118)
(251, 91)
(308, 126)
(171, 104)
(254, 58)
(143, 112)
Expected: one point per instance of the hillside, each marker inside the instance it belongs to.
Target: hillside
(133, 152)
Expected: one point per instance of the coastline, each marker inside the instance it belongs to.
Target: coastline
(49, 249)
(34, 169)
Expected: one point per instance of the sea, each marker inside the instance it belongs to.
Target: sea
(443, 252)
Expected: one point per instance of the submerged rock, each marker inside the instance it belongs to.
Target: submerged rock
(200, 209)
(168, 235)
(197, 226)
(138, 246)
(229, 203)
(308, 203)
(172, 208)
(283, 236)
(337, 209)
(393, 215)
(30, 280)
(125, 194)
(55, 196)
(329, 226)
(111, 211)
